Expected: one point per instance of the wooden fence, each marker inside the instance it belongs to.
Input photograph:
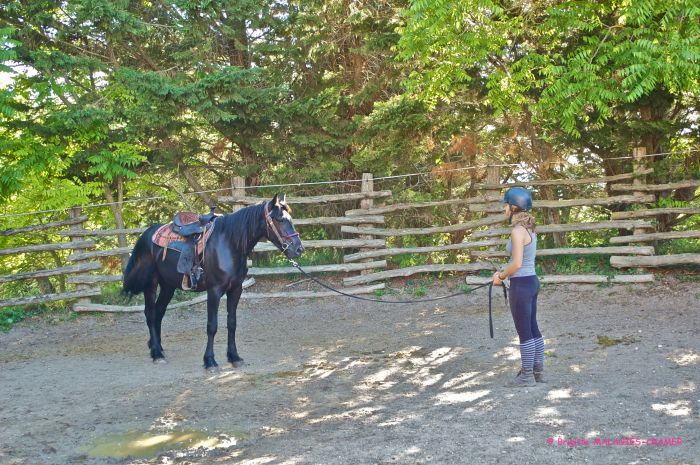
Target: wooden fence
(366, 227)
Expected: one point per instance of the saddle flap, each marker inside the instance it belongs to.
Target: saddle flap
(188, 229)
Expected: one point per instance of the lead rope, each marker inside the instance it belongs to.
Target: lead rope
(330, 288)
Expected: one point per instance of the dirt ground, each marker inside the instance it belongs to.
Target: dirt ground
(339, 381)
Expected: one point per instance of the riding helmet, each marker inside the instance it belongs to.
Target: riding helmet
(518, 196)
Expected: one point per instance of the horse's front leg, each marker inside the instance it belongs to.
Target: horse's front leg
(213, 299)
(232, 297)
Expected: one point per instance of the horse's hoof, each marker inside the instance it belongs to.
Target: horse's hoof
(237, 363)
(210, 364)
(213, 370)
(160, 360)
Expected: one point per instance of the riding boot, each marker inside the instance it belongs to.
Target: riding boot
(524, 378)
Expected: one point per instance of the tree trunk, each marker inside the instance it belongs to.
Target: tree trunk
(45, 286)
(543, 153)
(196, 186)
(116, 207)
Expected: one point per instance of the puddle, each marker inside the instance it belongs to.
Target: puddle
(150, 444)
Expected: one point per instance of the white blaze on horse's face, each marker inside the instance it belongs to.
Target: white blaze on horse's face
(282, 204)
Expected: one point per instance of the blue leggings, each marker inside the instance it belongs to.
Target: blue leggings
(523, 306)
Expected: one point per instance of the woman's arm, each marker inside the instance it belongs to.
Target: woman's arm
(518, 237)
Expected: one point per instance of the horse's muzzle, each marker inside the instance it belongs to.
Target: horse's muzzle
(294, 250)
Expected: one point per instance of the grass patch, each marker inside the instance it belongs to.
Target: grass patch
(9, 316)
(420, 291)
(606, 341)
(688, 277)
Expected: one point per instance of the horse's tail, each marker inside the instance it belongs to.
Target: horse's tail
(138, 273)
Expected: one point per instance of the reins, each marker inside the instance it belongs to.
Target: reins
(433, 299)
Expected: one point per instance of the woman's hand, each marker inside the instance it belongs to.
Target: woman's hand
(497, 281)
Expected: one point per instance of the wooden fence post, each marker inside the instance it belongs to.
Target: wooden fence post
(237, 191)
(367, 186)
(638, 166)
(75, 212)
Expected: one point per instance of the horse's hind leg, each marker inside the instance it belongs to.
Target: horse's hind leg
(151, 316)
(164, 297)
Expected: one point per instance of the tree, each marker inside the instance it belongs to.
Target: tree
(569, 77)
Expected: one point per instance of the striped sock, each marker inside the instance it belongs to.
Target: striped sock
(527, 354)
(539, 350)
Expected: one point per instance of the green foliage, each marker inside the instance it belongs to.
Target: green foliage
(574, 264)
(311, 257)
(420, 291)
(9, 316)
(573, 62)
(406, 260)
(677, 246)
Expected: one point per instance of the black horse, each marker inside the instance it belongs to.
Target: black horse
(225, 268)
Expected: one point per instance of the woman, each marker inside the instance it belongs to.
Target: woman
(524, 285)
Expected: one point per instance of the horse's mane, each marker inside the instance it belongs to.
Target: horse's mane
(242, 227)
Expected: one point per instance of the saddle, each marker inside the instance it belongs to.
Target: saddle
(188, 234)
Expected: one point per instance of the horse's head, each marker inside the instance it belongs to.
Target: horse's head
(279, 227)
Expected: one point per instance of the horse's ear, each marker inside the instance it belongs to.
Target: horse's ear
(275, 201)
(283, 199)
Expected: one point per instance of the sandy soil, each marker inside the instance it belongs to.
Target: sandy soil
(338, 381)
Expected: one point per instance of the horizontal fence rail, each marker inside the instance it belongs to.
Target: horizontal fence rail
(52, 272)
(49, 247)
(574, 251)
(656, 187)
(315, 200)
(568, 182)
(660, 260)
(43, 227)
(559, 228)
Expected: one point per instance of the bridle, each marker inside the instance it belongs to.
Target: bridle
(270, 225)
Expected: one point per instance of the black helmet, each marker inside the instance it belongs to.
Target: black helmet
(518, 196)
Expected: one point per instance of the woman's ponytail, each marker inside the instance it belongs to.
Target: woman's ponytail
(524, 219)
